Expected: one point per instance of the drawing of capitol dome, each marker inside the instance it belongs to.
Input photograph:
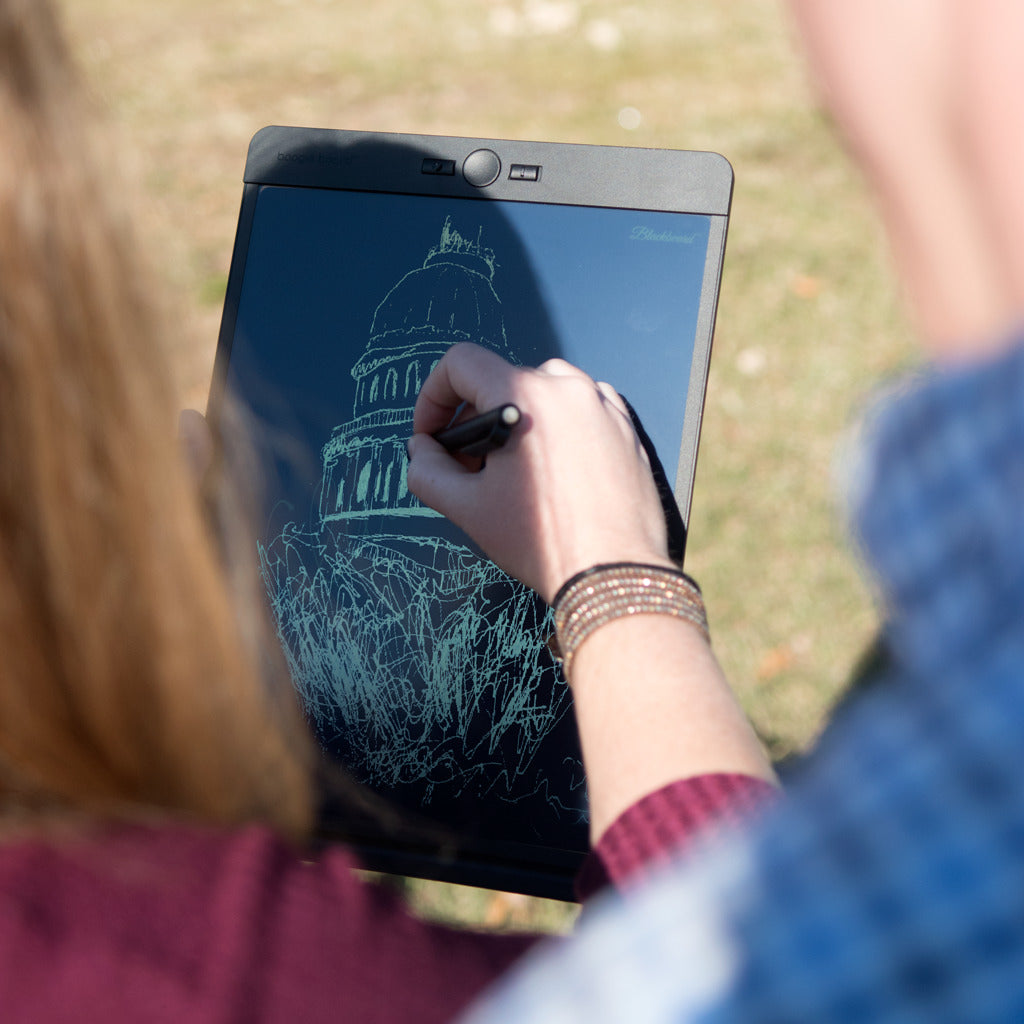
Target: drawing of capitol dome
(450, 298)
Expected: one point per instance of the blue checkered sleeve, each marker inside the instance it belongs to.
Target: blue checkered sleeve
(889, 887)
(940, 519)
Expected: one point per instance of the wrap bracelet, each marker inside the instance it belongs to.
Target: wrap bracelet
(603, 593)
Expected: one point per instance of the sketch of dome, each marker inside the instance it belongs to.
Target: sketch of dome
(449, 298)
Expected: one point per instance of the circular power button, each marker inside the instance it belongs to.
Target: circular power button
(482, 167)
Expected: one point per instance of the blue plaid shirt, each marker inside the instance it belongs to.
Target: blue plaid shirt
(889, 886)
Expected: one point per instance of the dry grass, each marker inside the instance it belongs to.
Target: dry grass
(808, 318)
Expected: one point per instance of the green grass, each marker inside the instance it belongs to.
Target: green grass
(809, 319)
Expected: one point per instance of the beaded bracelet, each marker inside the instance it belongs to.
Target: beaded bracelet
(597, 596)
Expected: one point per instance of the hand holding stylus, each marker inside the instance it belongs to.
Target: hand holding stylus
(569, 487)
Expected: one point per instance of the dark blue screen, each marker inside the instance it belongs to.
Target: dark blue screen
(424, 668)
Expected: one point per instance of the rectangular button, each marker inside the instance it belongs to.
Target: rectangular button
(524, 172)
(431, 165)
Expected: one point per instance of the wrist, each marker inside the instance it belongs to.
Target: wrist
(574, 567)
(604, 593)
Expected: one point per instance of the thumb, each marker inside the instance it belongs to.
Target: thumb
(436, 478)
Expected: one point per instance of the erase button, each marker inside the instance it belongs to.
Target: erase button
(481, 168)
(524, 172)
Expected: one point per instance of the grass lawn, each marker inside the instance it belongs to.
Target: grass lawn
(809, 319)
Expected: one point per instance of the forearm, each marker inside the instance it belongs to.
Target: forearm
(653, 706)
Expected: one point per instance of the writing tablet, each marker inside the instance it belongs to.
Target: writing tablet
(359, 259)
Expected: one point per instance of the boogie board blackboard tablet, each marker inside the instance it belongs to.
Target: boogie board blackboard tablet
(359, 259)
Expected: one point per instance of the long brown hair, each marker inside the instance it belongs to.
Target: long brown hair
(124, 681)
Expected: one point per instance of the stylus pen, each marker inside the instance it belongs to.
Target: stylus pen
(481, 434)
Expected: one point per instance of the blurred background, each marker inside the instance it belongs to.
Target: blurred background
(809, 320)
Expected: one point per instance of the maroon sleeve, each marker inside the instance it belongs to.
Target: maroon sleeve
(663, 824)
(182, 923)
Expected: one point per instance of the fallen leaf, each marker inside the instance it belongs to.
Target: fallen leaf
(506, 908)
(805, 287)
(775, 662)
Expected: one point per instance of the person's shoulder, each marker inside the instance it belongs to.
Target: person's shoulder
(121, 918)
(156, 922)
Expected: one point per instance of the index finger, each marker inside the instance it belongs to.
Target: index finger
(465, 373)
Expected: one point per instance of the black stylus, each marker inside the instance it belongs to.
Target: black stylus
(482, 434)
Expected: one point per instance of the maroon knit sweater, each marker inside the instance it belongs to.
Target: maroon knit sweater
(177, 924)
